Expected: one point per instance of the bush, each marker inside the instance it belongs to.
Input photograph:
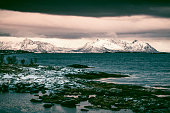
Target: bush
(22, 61)
(33, 62)
(11, 60)
(1, 59)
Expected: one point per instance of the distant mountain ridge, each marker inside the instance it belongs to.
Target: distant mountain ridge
(97, 46)
(101, 46)
(32, 46)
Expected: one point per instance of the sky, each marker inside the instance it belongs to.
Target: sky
(72, 23)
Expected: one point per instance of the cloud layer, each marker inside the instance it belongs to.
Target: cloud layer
(44, 25)
(94, 8)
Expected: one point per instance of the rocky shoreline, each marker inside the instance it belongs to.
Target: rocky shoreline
(69, 86)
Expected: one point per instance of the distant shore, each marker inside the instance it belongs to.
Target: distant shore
(23, 51)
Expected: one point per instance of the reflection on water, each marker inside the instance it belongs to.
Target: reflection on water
(20, 103)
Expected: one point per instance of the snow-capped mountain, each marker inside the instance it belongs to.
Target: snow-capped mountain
(5, 45)
(32, 46)
(98, 46)
(101, 46)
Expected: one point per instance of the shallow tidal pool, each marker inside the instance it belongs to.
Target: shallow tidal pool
(20, 103)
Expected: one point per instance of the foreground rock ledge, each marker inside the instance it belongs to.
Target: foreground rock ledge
(99, 95)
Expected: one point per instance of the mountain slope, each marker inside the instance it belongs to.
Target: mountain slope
(98, 46)
(33, 46)
(101, 46)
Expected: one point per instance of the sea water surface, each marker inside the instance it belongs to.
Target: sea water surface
(143, 68)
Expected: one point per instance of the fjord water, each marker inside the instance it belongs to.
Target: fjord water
(143, 68)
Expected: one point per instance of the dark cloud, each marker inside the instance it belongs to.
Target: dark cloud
(151, 34)
(96, 8)
(82, 35)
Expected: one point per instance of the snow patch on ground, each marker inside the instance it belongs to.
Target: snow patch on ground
(51, 77)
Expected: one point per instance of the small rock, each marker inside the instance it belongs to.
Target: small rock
(90, 107)
(34, 90)
(48, 105)
(84, 110)
(4, 88)
(36, 100)
(83, 97)
(69, 103)
(115, 90)
(66, 86)
(78, 66)
(43, 91)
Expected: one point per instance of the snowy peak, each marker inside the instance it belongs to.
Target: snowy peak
(100, 46)
(28, 41)
(97, 46)
(35, 46)
(32, 46)
(135, 41)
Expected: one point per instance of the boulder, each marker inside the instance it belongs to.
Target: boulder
(69, 103)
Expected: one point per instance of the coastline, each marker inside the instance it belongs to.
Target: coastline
(51, 85)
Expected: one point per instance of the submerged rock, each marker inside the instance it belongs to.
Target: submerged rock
(70, 103)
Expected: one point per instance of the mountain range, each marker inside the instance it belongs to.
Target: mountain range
(97, 46)
(33, 46)
(100, 46)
